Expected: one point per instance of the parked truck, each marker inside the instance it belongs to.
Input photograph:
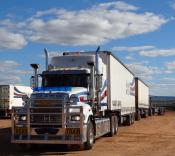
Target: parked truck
(158, 104)
(11, 95)
(83, 95)
(142, 99)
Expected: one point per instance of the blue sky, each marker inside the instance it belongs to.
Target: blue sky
(139, 32)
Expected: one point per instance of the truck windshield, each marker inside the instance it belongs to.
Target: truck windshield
(53, 80)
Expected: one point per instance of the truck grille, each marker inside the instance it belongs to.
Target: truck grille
(46, 113)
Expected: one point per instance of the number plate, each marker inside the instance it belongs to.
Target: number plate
(21, 130)
(72, 131)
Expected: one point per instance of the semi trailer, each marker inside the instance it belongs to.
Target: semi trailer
(142, 103)
(83, 95)
(11, 95)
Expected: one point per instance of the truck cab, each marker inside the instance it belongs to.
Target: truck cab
(82, 96)
(62, 109)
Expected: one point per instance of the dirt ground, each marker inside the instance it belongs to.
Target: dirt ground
(153, 136)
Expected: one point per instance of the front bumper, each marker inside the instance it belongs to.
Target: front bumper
(59, 138)
(67, 133)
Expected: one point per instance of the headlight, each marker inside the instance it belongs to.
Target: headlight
(75, 118)
(73, 99)
(23, 118)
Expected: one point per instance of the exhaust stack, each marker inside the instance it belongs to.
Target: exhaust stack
(47, 57)
(98, 80)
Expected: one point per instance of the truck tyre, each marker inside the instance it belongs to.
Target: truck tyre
(153, 111)
(116, 124)
(132, 118)
(129, 120)
(150, 112)
(145, 115)
(112, 126)
(90, 136)
(138, 116)
(159, 111)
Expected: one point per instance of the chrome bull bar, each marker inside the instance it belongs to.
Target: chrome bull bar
(48, 131)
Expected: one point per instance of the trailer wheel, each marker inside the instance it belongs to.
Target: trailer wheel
(150, 112)
(90, 136)
(161, 111)
(138, 116)
(132, 118)
(153, 111)
(129, 119)
(145, 115)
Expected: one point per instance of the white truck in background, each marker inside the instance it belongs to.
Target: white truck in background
(141, 99)
(83, 95)
(11, 96)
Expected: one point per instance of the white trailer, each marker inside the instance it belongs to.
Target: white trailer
(11, 96)
(83, 96)
(142, 99)
(121, 90)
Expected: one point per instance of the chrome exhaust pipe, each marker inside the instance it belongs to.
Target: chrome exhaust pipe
(47, 57)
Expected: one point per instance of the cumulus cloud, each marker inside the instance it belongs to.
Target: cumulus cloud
(143, 71)
(172, 5)
(164, 86)
(148, 51)
(118, 5)
(129, 58)
(9, 74)
(170, 66)
(168, 79)
(93, 26)
(133, 49)
(9, 40)
(157, 52)
(162, 89)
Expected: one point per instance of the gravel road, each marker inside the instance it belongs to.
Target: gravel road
(153, 136)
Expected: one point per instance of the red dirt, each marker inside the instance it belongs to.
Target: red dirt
(153, 136)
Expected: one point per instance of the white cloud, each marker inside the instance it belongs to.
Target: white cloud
(7, 65)
(132, 49)
(168, 79)
(9, 40)
(129, 58)
(97, 25)
(170, 66)
(162, 89)
(148, 50)
(9, 74)
(93, 26)
(46, 12)
(172, 5)
(157, 52)
(143, 71)
(118, 5)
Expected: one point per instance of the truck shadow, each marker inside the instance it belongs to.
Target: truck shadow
(7, 148)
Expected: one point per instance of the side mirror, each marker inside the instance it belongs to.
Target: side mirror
(32, 81)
